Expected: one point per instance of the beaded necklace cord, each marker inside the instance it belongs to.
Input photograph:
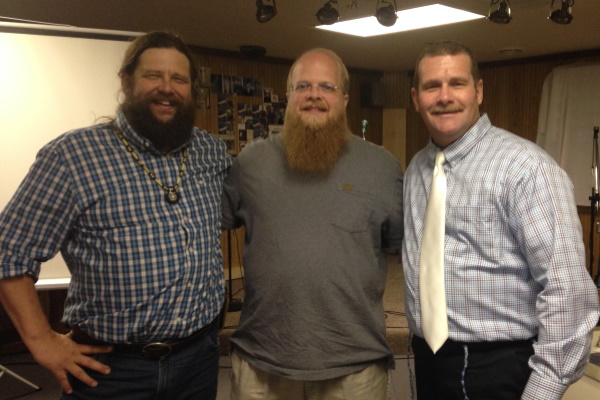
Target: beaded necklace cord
(171, 196)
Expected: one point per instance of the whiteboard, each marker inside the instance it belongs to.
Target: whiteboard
(50, 85)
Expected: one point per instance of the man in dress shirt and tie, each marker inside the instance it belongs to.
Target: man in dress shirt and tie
(517, 304)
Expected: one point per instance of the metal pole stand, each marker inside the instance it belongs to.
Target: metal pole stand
(3, 369)
(595, 206)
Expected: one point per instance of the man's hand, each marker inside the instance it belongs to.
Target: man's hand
(56, 352)
(61, 356)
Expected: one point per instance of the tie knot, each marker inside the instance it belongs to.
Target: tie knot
(440, 159)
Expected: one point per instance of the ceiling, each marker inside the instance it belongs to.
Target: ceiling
(229, 24)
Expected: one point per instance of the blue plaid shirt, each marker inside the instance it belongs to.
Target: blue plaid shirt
(142, 269)
(514, 254)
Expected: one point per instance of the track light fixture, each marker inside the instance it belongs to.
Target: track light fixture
(327, 15)
(502, 14)
(265, 13)
(386, 15)
(562, 16)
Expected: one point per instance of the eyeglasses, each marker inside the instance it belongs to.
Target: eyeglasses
(323, 87)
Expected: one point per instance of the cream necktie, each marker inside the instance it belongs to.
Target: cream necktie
(434, 318)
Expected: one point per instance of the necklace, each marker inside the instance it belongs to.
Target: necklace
(172, 196)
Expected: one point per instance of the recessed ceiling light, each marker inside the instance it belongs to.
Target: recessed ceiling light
(415, 18)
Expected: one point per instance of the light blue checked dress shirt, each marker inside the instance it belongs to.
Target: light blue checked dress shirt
(142, 269)
(514, 253)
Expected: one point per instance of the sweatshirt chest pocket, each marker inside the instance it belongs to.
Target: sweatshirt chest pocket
(351, 210)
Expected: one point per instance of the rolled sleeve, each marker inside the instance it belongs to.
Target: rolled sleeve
(36, 220)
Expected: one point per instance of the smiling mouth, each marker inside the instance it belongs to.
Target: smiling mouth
(165, 103)
(314, 107)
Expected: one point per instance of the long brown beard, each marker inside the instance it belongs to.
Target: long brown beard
(165, 136)
(314, 146)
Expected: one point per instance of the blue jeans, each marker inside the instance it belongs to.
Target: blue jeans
(190, 373)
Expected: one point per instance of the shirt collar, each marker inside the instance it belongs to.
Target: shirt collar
(461, 147)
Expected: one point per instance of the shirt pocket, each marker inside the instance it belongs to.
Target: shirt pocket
(352, 209)
(472, 226)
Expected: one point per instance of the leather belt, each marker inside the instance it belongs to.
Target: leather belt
(452, 347)
(152, 350)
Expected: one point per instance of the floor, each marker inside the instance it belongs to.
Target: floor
(23, 365)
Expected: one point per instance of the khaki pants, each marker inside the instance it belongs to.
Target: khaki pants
(250, 383)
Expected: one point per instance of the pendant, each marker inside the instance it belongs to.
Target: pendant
(172, 196)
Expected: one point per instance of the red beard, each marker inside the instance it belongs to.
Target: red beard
(313, 144)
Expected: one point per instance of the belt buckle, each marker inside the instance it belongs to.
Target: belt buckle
(157, 350)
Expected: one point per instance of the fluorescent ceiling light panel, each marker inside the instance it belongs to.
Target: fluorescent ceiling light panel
(415, 18)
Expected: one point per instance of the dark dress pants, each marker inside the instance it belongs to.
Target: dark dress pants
(494, 370)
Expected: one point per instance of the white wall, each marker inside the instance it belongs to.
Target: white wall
(569, 111)
(50, 85)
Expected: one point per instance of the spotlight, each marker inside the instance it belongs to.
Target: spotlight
(562, 16)
(265, 13)
(386, 15)
(502, 14)
(327, 15)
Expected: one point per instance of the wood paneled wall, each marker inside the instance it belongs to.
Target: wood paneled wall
(512, 94)
(397, 89)
(273, 72)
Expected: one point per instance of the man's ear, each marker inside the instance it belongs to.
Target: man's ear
(125, 83)
(414, 94)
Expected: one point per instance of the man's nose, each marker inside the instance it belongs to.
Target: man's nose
(314, 92)
(165, 86)
(445, 94)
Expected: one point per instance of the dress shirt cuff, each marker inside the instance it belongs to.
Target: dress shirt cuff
(540, 387)
(12, 266)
